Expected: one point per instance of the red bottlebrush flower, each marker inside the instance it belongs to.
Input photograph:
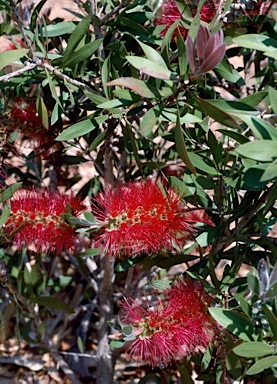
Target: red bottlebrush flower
(209, 49)
(138, 217)
(36, 214)
(24, 118)
(169, 13)
(24, 113)
(177, 326)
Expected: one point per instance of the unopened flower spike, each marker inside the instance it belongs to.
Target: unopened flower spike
(138, 217)
(206, 52)
(178, 325)
(36, 220)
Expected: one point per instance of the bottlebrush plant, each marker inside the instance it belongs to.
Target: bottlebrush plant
(148, 134)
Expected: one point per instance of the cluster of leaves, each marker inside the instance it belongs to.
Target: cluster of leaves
(123, 100)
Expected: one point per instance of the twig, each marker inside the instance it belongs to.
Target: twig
(97, 29)
(61, 75)
(65, 368)
(113, 12)
(28, 66)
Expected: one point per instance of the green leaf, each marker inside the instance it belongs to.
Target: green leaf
(80, 344)
(81, 54)
(261, 365)
(34, 278)
(127, 330)
(160, 284)
(253, 349)
(255, 99)
(143, 89)
(81, 128)
(8, 192)
(216, 113)
(225, 71)
(128, 263)
(79, 32)
(52, 302)
(42, 111)
(181, 145)
(89, 217)
(259, 150)
(151, 69)
(179, 186)
(149, 120)
(9, 57)
(91, 252)
(235, 323)
(273, 98)
(272, 320)
(187, 118)
(59, 29)
(35, 14)
(270, 172)
(272, 291)
(116, 343)
(200, 164)
(152, 54)
(96, 99)
(99, 139)
(234, 107)
(241, 139)
(253, 283)
(5, 214)
(259, 42)
(261, 128)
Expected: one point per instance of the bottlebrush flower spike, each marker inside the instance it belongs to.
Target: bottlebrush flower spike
(138, 217)
(179, 325)
(36, 220)
(25, 119)
(209, 49)
(169, 13)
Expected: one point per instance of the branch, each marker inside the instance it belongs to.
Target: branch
(105, 366)
(28, 66)
(113, 12)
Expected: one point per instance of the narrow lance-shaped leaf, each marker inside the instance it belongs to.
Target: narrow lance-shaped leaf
(152, 54)
(259, 150)
(136, 85)
(216, 113)
(81, 54)
(259, 42)
(181, 145)
(261, 365)
(151, 69)
(253, 349)
(9, 57)
(81, 128)
(79, 32)
(235, 323)
(5, 214)
(273, 98)
(8, 193)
